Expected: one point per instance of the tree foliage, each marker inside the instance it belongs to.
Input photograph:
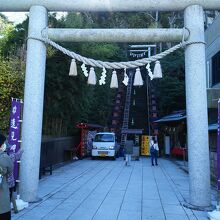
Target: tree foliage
(11, 72)
(11, 86)
(170, 90)
(83, 103)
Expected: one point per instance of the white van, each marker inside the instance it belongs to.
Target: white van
(104, 145)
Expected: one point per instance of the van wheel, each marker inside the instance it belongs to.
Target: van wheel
(114, 158)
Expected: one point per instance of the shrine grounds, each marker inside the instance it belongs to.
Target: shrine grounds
(109, 190)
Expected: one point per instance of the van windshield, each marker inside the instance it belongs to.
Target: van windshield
(104, 138)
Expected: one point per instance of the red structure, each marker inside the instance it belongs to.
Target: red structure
(178, 151)
(81, 149)
(117, 112)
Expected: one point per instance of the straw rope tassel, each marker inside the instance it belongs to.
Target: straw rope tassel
(114, 80)
(92, 77)
(157, 70)
(138, 81)
(73, 68)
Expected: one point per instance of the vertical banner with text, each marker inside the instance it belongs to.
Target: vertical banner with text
(145, 145)
(218, 146)
(15, 130)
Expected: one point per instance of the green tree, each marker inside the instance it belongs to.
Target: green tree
(170, 90)
(83, 103)
(11, 69)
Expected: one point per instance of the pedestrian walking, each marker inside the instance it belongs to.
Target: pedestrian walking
(128, 152)
(154, 150)
(6, 167)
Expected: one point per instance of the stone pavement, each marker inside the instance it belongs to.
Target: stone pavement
(109, 190)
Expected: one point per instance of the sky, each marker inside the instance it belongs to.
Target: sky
(18, 17)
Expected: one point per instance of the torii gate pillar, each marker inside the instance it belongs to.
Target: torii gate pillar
(33, 104)
(196, 106)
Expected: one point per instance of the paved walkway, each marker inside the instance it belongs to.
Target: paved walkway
(109, 190)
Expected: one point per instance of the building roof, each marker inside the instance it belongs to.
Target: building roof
(180, 115)
(106, 133)
(87, 126)
(175, 116)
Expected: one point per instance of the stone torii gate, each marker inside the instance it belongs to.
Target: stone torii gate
(196, 98)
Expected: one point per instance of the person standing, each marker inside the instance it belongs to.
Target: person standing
(129, 144)
(154, 150)
(6, 167)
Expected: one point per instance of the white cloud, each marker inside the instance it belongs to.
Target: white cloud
(16, 17)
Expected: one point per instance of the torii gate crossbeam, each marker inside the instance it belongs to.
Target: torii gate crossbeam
(116, 35)
(196, 97)
(108, 5)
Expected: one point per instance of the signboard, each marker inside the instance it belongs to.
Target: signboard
(14, 130)
(145, 145)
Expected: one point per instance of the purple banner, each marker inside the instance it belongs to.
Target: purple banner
(218, 146)
(14, 131)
